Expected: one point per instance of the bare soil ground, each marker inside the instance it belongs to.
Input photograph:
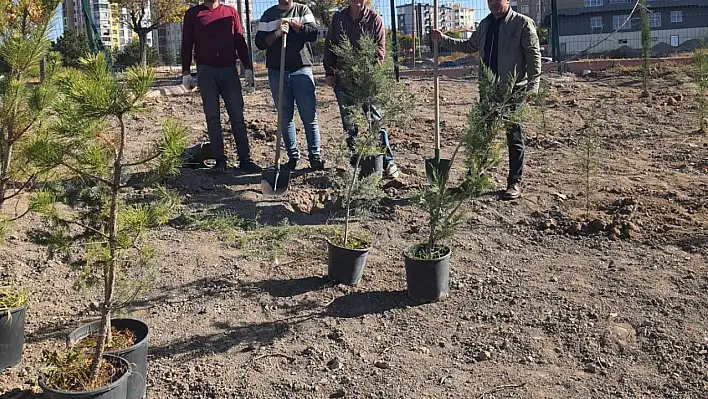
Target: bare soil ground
(546, 302)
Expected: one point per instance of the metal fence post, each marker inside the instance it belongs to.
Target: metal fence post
(394, 41)
(250, 42)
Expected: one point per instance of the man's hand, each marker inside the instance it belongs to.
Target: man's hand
(189, 82)
(436, 35)
(329, 81)
(283, 28)
(248, 76)
(295, 24)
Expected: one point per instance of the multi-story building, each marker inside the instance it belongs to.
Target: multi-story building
(451, 17)
(108, 18)
(538, 10)
(169, 42)
(609, 27)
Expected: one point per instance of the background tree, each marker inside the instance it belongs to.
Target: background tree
(143, 20)
(24, 104)
(72, 45)
(323, 9)
(131, 55)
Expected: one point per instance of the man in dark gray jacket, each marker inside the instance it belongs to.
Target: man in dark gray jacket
(507, 43)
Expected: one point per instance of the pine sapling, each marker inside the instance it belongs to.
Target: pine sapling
(540, 101)
(374, 100)
(700, 77)
(487, 119)
(588, 162)
(24, 106)
(93, 155)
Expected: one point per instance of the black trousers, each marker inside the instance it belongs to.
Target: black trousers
(515, 141)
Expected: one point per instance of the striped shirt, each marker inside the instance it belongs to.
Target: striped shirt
(298, 53)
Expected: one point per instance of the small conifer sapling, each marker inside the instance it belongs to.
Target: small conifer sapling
(89, 142)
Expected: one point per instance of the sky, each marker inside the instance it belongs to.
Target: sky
(56, 27)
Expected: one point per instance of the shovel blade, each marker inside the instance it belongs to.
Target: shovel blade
(441, 167)
(275, 181)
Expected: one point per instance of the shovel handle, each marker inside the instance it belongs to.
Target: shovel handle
(436, 82)
(281, 82)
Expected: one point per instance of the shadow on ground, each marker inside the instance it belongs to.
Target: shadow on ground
(230, 336)
(290, 287)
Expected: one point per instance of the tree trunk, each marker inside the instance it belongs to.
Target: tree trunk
(142, 39)
(5, 158)
(109, 270)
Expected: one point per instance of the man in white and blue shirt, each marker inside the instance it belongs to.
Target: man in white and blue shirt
(299, 85)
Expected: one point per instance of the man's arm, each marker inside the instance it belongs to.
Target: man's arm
(468, 46)
(240, 43)
(305, 25)
(263, 33)
(532, 53)
(187, 42)
(380, 38)
(330, 59)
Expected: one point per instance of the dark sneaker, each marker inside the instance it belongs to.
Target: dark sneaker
(249, 167)
(219, 167)
(291, 165)
(512, 192)
(317, 163)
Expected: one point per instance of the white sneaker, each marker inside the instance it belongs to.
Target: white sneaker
(392, 171)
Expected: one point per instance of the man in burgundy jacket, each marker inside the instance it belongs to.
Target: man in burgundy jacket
(213, 31)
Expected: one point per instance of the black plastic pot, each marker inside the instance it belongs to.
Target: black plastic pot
(12, 336)
(116, 390)
(428, 280)
(344, 265)
(136, 355)
(369, 164)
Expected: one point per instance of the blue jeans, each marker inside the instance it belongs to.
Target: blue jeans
(353, 130)
(224, 82)
(299, 88)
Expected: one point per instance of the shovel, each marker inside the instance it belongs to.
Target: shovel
(436, 167)
(275, 180)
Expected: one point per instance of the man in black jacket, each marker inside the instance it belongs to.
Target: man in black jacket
(298, 22)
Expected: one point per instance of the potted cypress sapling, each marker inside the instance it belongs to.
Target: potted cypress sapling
(427, 264)
(374, 100)
(13, 310)
(111, 228)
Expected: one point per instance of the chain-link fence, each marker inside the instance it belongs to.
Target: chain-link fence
(585, 28)
(613, 28)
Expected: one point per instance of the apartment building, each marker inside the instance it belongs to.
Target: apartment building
(610, 28)
(451, 17)
(538, 10)
(103, 18)
(108, 18)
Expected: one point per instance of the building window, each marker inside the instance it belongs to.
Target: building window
(596, 22)
(618, 20)
(674, 41)
(676, 16)
(655, 19)
(524, 9)
(593, 3)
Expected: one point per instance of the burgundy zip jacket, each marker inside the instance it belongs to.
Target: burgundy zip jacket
(371, 24)
(215, 36)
